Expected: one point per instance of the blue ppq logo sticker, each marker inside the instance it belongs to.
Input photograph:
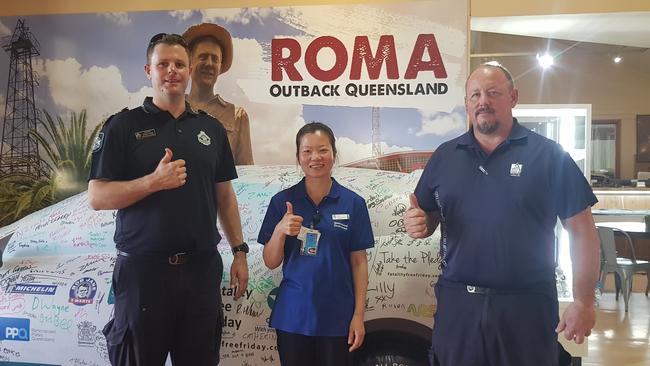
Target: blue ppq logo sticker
(14, 329)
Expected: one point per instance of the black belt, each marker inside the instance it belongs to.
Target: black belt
(480, 290)
(473, 289)
(176, 259)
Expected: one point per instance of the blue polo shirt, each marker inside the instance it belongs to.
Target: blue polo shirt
(498, 212)
(316, 295)
(131, 144)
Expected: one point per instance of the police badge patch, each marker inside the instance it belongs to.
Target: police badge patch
(97, 144)
(203, 138)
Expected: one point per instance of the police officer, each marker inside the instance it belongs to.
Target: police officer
(167, 170)
(497, 192)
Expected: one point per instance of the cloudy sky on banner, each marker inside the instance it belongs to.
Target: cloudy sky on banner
(95, 61)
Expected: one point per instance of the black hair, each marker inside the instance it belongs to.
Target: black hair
(170, 39)
(312, 127)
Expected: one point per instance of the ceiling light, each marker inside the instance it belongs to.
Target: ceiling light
(617, 59)
(545, 61)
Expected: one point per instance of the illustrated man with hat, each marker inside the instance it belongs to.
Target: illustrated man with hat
(211, 55)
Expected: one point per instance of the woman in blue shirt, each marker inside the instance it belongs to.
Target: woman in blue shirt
(320, 230)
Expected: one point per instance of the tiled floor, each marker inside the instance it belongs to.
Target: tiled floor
(619, 338)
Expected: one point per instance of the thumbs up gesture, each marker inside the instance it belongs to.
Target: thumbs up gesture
(290, 224)
(415, 219)
(169, 174)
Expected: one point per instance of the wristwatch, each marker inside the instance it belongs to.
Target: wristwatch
(243, 247)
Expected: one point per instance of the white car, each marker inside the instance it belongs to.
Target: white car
(55, 279)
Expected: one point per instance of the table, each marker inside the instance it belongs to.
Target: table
(609, 214)
(640, 238)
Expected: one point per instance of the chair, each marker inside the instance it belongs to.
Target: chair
(623, 268)
(643, 175)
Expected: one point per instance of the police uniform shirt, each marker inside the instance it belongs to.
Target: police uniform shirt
(130, 146)
(498, 212)
(316, 295)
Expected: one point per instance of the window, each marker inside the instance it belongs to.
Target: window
(605, 152)
(567, 124)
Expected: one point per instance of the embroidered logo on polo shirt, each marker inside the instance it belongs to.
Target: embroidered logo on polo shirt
(141, 135)
(203, 138)
(97, 144)
(515, 169)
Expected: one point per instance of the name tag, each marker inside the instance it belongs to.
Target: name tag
(309, 241)
(337, 217)
(141, 135)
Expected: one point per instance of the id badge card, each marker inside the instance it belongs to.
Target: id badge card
(309, 241)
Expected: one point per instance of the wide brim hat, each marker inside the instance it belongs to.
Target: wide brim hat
(219, 33)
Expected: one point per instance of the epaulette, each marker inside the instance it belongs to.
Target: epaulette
(113, 115)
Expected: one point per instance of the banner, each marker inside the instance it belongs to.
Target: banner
(290, 65)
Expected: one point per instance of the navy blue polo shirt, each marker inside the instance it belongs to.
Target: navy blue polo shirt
(131, 145)
(498, 212)
(316, 295)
